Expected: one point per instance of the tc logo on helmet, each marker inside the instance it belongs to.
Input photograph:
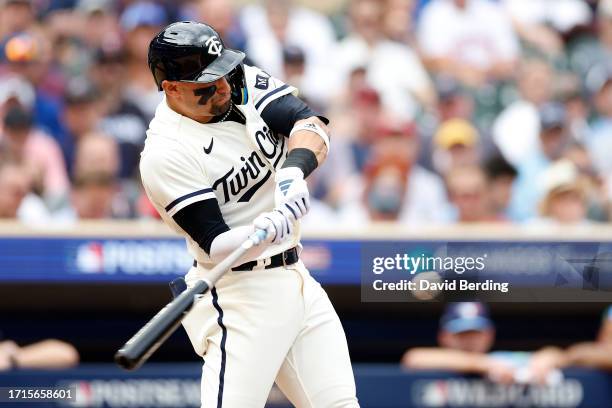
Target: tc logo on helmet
(214, 46)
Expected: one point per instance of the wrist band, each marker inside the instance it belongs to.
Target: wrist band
(302, 158)
(312, 127)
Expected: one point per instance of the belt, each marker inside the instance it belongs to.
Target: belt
(289, 257)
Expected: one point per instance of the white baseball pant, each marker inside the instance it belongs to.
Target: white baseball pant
(270, 325)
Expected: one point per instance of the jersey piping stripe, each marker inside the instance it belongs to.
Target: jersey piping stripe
(268, 95)
(215, 301)
(187, 196)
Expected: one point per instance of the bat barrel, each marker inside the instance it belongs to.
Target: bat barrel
(148, 339)
(158, 329)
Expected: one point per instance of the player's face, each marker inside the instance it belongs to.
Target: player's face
(204, 100)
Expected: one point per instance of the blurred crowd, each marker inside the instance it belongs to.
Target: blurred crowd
(442, 111)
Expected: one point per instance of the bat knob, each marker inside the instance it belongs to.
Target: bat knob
(124, 361)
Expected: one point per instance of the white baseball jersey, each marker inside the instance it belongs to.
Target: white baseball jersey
(254, 327)
(185, 161)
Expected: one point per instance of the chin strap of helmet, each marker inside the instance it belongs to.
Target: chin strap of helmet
(237, 81)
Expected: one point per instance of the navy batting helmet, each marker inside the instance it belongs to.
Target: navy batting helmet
(194, 52)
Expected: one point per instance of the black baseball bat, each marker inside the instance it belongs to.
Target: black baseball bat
(153, 334)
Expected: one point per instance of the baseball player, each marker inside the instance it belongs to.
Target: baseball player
(227, 153)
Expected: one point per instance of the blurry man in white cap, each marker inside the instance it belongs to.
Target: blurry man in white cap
(565, 198)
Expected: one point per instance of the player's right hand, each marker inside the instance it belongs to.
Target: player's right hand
(278, 225)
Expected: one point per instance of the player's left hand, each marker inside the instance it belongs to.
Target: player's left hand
(278, 225)
(292, 191)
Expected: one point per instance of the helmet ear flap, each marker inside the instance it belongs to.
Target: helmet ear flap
(237, 81)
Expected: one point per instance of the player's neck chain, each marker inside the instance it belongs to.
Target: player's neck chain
(232, 114)
(227, 113)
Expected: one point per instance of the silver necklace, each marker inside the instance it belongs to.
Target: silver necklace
(227, 113)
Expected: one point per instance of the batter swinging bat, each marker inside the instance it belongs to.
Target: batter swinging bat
(148, 339)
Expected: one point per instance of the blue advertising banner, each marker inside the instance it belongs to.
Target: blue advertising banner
(370, 263)
(58, 259)
(378, 386)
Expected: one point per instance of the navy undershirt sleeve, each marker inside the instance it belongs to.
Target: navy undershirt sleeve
(282, 113)
(203, 222)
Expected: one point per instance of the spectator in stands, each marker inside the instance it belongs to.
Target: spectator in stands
(15, 91)
(223, 15)
(541, 23)
(594, 354)
(382, 186)
(565, 198)
(386, 62)
(100, 23)
(500, 179)
(553, 135)
(465, 338)
(97, 152)
(360, 123)
(140, 22)
(366, 115)
(469, 192)
(472, 40)
(16, 16)
(77, 33)
(397, 21)
(384, 190)
(456, 143)
(598, 142)
(15, 185)
(454, 102)
(578, 109)
(553, 140)
(96, 193)
(93, 195)
(82, 115)
(27, 55)
(595, 184)
(46, 354)
(272, 25)
(591, 51)
(516, 129)
(294, 68)
(355, 119)
(425, 200)
(122, 119)
(21, 143)
(395, 187)
(16, 201)
(294, 62)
